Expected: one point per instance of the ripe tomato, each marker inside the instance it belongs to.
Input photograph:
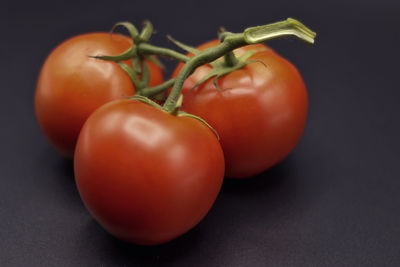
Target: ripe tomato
(147, 176)
(71, 85)
(259, 113)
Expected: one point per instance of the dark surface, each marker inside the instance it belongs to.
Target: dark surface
(334, 202)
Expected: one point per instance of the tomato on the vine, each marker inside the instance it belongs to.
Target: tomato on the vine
(71, 85)
(145, 175)
(259, 111)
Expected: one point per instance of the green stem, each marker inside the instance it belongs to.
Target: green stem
(151, 91)
(232, 41)
(148, 49)
(133, 32)
(205, 56)
(145, 76)
(230, 59)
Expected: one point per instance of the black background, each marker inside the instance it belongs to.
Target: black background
(333, 202)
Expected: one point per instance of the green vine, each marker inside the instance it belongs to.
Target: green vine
(231, 41)
(142, 50)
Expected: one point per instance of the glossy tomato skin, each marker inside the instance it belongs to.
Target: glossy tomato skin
(259, 114)
(147, 176)
(71, 85)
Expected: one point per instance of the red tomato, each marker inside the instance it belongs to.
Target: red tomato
(259, 114)
(147, 176)
(72, 85)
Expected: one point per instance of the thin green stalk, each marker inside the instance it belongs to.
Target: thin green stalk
(145, 75)
(230, 59)
(205, 56)
(148, 49)
(232, 41)
(151, 91)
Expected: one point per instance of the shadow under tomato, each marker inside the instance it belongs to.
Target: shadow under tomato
(65, 167)
(260, 201)
(268, 181)
(57, 178)
(122, 253)
(61, 166)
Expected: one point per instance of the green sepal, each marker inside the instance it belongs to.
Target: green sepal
(180, 113)
(131, 73)
(128, 54)
(147, 101)
(183, 46)
(187, 48)
(256, 61)
(220, 69)
(133, 31)
(185, 114)
(155, 61)
(147, 31)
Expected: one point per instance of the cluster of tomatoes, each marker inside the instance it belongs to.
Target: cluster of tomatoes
(148, 175)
